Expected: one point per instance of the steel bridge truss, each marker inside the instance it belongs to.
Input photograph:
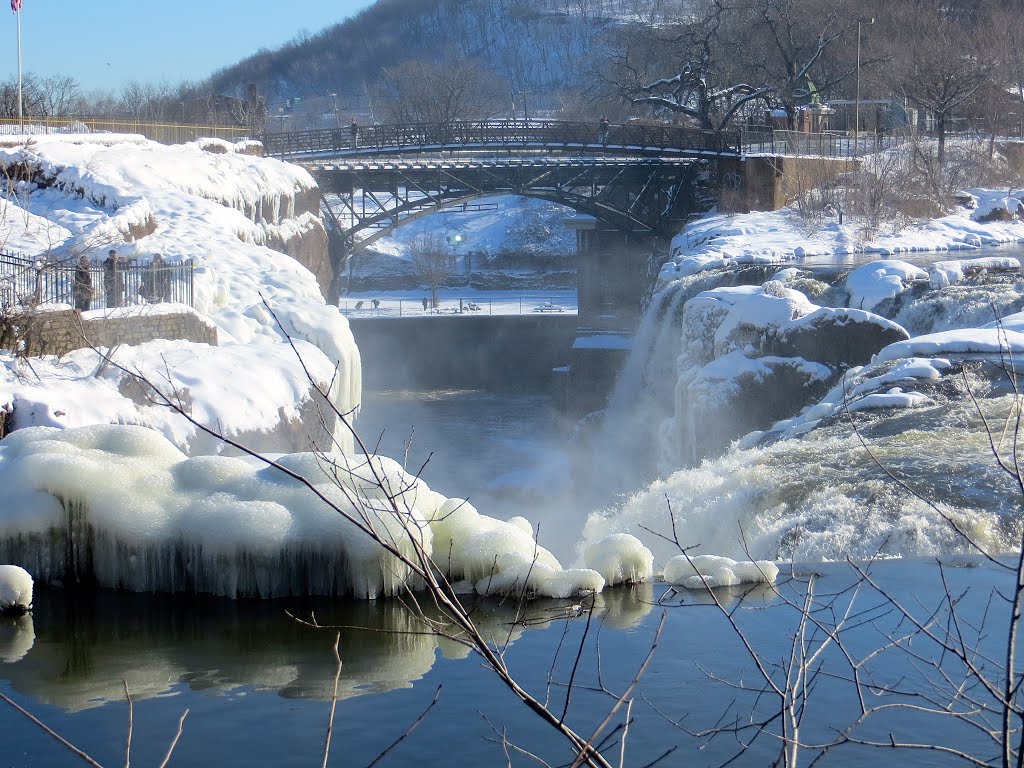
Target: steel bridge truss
(643, 196)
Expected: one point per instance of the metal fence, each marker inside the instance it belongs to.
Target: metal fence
(164, 133)
(766, 140)
(27, 282)
(508, 303)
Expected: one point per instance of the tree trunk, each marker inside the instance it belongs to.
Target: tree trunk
(940, 125)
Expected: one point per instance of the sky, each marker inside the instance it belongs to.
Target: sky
(104, 44)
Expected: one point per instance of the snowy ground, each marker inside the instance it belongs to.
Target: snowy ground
(503, 224)
(782, 237)
(473, 303)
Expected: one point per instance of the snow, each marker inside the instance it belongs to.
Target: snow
(943, 273)
(15, 588)
(783, 237)
(873, 283)
(145, 517)
(602, 341)
(509, 225)
(222, 211)
(703, 571)
(988, 342)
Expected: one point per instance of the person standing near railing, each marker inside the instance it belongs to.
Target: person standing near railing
(113, 279)
(354, 130)
(82, 290)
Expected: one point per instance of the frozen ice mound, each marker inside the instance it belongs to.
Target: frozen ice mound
(119, 506)
(620, 559)
(698, 571)
(15, 589)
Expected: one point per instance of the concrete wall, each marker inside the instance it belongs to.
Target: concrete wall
(61, 331)
(768, 183)
(496, 352)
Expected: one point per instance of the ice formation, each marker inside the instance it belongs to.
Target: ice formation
(620, 559)
(120, 506)
(15, 589)
(701, 571)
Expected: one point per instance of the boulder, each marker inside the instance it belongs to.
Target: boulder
(841, 338)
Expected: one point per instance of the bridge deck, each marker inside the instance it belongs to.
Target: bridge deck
(510, 135)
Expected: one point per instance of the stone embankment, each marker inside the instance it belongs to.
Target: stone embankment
(59, 331)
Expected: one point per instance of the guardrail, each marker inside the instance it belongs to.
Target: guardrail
(768, 141)
(590, 136)
(164, 133)
(29, 283)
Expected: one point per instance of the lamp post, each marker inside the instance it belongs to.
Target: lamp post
(856, 111)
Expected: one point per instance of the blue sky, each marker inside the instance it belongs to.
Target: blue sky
(103, 43)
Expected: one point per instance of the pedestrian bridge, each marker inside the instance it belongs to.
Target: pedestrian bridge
(516, 137)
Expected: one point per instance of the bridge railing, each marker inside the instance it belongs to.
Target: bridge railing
(579, 135)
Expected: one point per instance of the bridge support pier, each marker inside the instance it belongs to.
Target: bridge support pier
(613, 275)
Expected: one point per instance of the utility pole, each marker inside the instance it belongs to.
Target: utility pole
(856, 111)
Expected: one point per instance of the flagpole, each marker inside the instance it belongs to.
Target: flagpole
(21, 113)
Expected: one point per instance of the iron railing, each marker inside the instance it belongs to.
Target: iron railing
(28, 283)
(371, 140)
(164, 133)
(769, 141)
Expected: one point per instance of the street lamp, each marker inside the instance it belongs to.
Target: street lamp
(856, 112)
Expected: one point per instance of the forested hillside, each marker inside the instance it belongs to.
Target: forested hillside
(532, 45)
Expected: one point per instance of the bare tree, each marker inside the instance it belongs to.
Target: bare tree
(702, 83)
(792, 46)
(939, 78)
(432, 261)
(442, 92)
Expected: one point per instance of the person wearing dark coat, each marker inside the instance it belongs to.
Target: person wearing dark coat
(113, 279)
(82, 291)
(156, 283)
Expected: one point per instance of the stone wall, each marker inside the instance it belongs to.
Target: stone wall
(491, 352)
(57, 332)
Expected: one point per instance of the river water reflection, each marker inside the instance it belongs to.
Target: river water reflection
(258, 684)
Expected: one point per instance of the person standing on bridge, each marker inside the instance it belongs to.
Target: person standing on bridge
(354, 130)
(602, 130)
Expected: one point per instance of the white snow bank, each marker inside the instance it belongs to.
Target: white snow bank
(944, 273)
(219, 210)
(966, 341)
(873, 283)
(620, 559)
(15, 588)
(144, 517)
(700, 571)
